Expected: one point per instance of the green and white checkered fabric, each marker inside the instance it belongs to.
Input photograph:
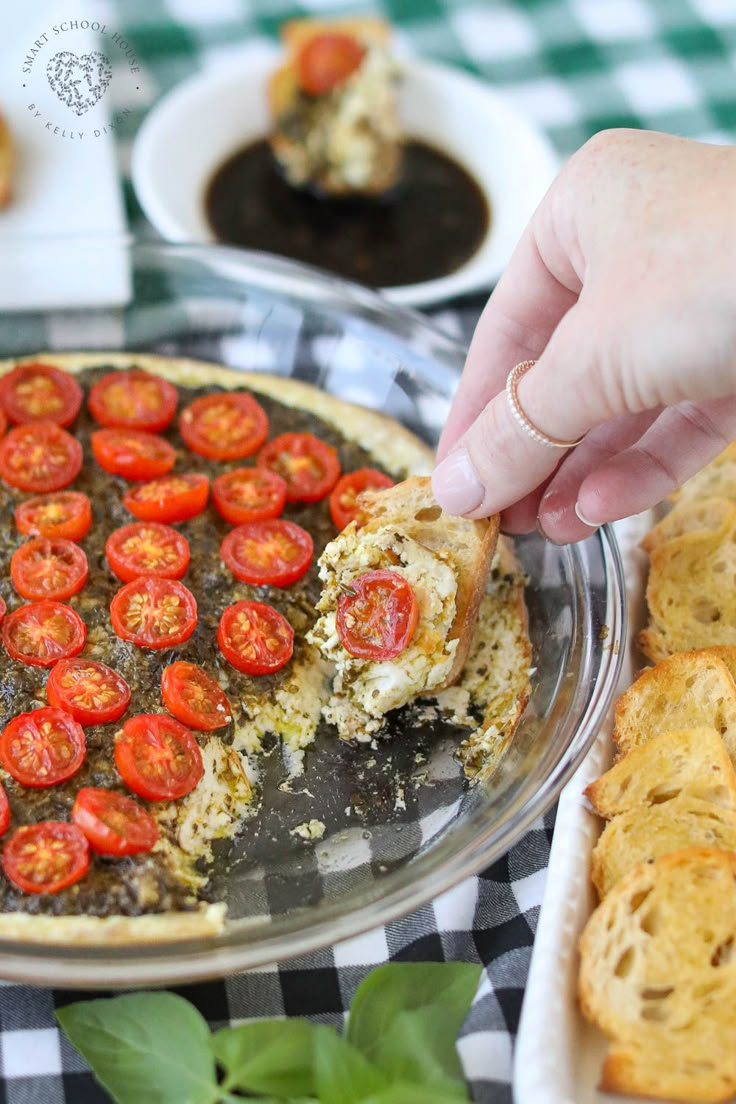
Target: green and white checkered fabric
(573, 66)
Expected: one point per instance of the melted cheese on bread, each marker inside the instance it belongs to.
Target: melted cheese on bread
(363, 690)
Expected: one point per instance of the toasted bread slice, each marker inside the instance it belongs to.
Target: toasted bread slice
(727, 654)
(281, 91)
(643, 834)
(686, 690)
(7, 163)
(282, 87)
(690, 593)
(468, 546)
(658, 976)
(717, 479)
(347, 140)
(445, 559)
(692, 761)
(704, 515)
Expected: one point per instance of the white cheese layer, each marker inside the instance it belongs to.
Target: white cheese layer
(496, 677)
(216, 807)
(293, 712)
(364, 118)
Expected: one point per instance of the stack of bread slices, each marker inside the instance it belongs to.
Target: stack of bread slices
(658, 955)
(692, 570)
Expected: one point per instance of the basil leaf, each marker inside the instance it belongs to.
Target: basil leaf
(341, 1074)
(405, 1017)
(145, 1046)
(420, 1048)
(267, 1056)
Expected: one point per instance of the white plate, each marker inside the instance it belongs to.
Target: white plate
(559, 1055)
(66, 193)
(207, 118)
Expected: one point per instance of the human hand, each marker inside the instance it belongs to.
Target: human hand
(623, 288)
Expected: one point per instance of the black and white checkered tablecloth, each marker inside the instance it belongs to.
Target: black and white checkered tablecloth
(490, 918)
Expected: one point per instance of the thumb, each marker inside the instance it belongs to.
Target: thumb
(496, 462)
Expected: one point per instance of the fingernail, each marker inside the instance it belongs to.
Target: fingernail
(456, 484)
(581, 515)
(540, 530)
(549, 517)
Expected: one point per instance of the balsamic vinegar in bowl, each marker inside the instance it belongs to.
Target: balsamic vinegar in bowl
(425, 228)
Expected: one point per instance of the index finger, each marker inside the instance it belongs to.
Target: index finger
(535, 292)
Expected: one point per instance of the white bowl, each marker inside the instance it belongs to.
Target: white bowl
(195, 128)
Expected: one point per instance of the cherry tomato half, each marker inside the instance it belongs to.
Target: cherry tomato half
(40, 393)
(225, 426)
(46, 857)
(157, 757)
(377, 620)
(194, 697)
(42, 747)
(326, 60)
(47, 567)
(154, 613)
(147, 548)
(42, 633)
(113, 823)
(3, 421)
(343, 505)
(39, 457)
(65, 514)
(309, 467)
(4, 812)
(92, 692)
(132, 453)
(255, 638)
(248, 494)
(3, 608)
(170, 498)
(273, 552)
(133, 399)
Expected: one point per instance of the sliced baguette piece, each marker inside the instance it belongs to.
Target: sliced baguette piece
(468, 546)
(348, 140)
(726, 653)
(692, 761)
(282, 88)
(702, 515)
(717, 479)
(658, 977)
(686, 690)
(690, 593)
(643, 834)
(445, 559)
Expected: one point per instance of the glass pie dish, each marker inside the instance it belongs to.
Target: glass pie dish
(257, 312)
